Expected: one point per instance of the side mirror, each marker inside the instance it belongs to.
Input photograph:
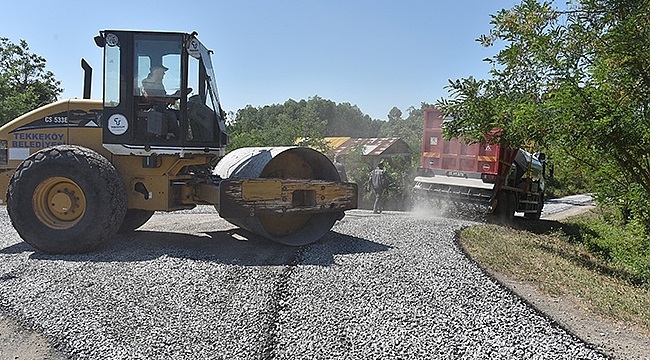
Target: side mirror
(99, 40)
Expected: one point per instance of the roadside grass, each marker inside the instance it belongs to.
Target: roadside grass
(603, 264)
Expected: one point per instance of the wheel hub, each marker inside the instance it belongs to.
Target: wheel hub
(59, 202)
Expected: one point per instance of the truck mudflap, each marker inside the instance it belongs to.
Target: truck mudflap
(268, 196)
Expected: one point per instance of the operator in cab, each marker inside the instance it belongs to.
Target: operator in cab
(156, 95)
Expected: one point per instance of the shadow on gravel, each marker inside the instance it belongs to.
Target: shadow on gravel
(18, 248)
(232, 247)
(574, 231)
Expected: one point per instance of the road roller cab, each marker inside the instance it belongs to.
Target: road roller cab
(160, 95)
(78, 171)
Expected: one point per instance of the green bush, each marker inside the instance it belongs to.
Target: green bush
(570, 176)
(625, 245)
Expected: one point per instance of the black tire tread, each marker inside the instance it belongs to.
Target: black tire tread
(89, 165)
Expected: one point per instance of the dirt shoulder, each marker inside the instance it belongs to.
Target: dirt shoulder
(19, 342)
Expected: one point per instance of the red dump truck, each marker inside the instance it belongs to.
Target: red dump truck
(505, 180)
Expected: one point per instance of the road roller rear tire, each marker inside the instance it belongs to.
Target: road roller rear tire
(66, 199)
(134, 219)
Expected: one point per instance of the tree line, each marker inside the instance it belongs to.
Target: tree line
(316, 118)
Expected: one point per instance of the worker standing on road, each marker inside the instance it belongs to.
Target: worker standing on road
(379, 182)
(340, 167)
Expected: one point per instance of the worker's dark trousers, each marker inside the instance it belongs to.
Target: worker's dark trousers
(379, 201)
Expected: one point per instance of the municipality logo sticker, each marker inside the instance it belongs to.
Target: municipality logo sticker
(118, 124)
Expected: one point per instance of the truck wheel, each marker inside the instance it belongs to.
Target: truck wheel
(505, 210)
(134, 219)
(66, 199)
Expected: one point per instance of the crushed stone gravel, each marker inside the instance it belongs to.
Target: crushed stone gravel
(189, 285)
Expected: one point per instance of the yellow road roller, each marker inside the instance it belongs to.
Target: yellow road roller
(78, 171)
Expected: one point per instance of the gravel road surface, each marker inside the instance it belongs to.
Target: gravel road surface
(569, 205)
(191, 286)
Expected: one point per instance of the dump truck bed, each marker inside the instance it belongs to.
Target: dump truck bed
(453, 167)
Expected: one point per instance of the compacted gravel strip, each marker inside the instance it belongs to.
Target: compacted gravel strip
(575, 203)
(390, 286)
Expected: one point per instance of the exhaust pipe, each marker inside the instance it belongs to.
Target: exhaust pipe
(88, 78)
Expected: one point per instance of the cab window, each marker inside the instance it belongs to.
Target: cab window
(112, 75)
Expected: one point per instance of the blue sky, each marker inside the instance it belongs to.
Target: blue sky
(375, 54)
